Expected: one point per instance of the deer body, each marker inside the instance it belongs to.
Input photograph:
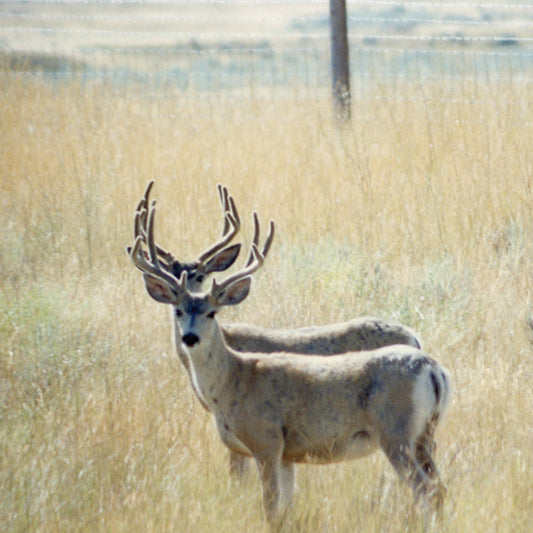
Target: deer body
(316, 409)
(350, 338)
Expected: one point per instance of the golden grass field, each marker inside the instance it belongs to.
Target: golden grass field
(420, 211)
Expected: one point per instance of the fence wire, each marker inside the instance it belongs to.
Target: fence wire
(270, 46)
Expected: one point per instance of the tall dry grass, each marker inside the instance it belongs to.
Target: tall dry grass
(421, 211)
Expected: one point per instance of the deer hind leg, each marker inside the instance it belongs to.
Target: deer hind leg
(402, 456)
(414, 465)
(424, 450)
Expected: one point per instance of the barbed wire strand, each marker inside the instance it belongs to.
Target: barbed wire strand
(301, 19)
(270, 35)
(381, 3)
(171, 50)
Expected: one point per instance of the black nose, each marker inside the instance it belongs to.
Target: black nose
(190, 339)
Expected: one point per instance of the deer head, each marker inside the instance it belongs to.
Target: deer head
(165, 287)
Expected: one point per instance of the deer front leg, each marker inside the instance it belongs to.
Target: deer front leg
(270, 472)
(287, 482)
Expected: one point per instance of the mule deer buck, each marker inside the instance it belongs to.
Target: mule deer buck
(283, 408)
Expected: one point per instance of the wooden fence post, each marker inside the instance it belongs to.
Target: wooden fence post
(340, 62)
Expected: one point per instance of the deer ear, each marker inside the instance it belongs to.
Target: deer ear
(159, 290)
(236, 292)
(223, 260)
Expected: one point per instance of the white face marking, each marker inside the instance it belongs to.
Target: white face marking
(193, 320)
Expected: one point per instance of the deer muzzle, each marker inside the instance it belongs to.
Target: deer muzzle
(190, 339)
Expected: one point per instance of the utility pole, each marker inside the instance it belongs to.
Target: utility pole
(340, 62)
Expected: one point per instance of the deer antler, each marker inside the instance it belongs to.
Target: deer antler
(255, 258)
(149, 263)
(141, 223)
(255, 261)
(232, 224)
(269, 239)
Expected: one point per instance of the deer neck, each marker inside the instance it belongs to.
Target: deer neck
(211, 364)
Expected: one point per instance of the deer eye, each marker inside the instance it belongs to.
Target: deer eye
(178, 312)
(199, 278)
(211, 314)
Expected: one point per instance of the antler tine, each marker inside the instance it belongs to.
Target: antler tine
(143, 202)
(224, 202)
(137, 223)
(141, 223)
(232, 224)
(269, 239)
(228, 206)
(161, 254)
(233, 210)
(146, 198)
(140, 214)
(152, 248)
(142, 209)
(257, 260)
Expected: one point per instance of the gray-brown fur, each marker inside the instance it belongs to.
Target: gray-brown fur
(366, 333)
